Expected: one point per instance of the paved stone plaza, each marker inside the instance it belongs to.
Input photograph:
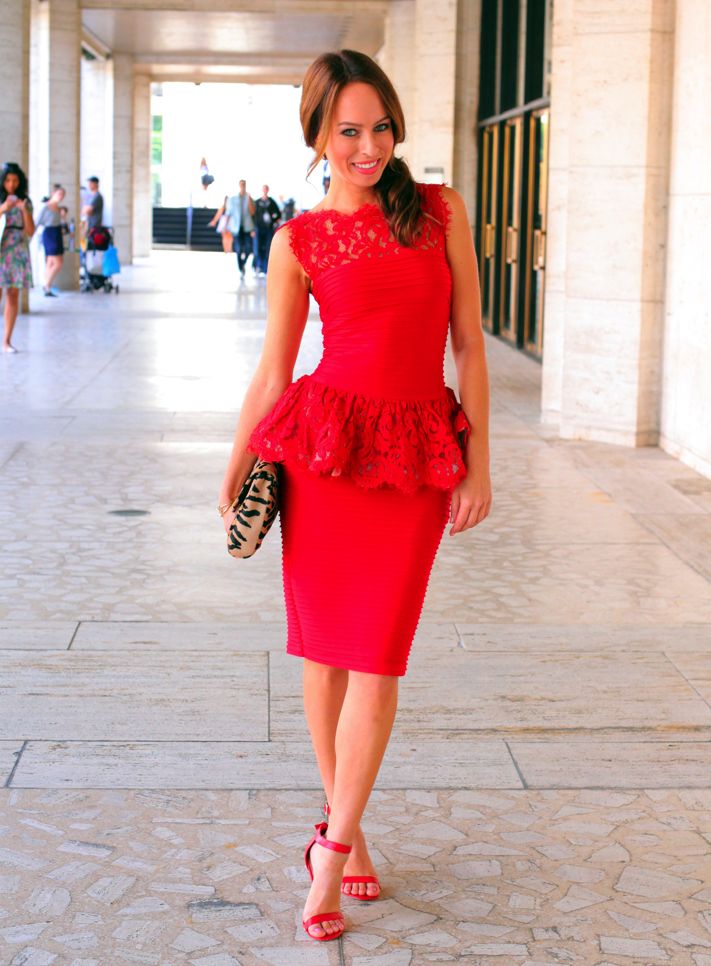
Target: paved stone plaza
(546, 798)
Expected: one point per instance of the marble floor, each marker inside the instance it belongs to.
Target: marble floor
(546, 798)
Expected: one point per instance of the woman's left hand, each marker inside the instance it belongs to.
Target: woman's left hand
(471, 501)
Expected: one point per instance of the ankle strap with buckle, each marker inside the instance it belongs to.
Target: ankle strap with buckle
(327, 843)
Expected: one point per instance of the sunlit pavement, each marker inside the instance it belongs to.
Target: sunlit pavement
(547, 795)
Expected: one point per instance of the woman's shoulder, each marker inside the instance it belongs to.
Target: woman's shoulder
(440, 200)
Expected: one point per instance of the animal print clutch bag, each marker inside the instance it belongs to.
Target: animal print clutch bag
(256, 507)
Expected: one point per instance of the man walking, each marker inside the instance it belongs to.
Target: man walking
(240, 221)
(93, 210)
(266, 216)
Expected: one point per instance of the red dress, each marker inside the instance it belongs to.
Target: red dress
(368, 441)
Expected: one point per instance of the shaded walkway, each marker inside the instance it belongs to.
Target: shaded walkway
(547, 795)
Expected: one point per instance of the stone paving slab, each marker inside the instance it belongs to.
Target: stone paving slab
(466, 763)
(586, 637)
(117, 695)
(9, 751)
(476, 580)
(37, 635)
(485, 877)
(179, 636)
(598, 762)
(192, 635)
(464, 690)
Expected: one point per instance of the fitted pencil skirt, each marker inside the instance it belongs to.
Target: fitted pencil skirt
(356, 565)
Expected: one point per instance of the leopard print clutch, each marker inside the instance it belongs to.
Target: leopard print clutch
(256, 509)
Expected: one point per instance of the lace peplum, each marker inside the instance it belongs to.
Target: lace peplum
(376, 408)
(374, 441)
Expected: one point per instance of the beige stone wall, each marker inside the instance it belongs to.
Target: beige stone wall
(686, 399)
(54, 111)
(466, 103)
(123, 134)
(605, 292)
(96, 133)
(15, 81)
(431, 53)
(397, 59)
(142, 210)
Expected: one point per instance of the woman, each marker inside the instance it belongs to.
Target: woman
(220, 223)
(372, 466)
(15, 268)
(52, 237)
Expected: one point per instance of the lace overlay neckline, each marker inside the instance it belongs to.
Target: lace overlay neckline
(346, 214)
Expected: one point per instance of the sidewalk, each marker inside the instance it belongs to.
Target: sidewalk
(546, 798)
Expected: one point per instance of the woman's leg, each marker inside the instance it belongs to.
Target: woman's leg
(52, 269)
(12, 300)
(324, 693)
(362, 732)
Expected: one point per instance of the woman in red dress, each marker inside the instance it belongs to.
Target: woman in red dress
(377, 454)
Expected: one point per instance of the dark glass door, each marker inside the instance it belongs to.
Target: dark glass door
(488, 199)
(536, 230)
(511, 227)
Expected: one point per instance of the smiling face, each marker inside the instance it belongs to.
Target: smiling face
(361, 139)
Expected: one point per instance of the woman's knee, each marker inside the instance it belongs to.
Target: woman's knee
(326, 672)
(377, 687)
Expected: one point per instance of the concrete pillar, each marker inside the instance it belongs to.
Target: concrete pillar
(15, 82)
(435, 51)
(686, 401)
(142, 201)
(54, 141)
(122, 186)
(466, 103)
(397, 58)
(97, 125)
(604, 301)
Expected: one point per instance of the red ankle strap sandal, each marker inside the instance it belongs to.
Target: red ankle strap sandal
(320, 839)
(355, 879)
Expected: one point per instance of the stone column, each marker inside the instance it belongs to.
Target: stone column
(397, 58)
(97, 126)
(602, 343)
(686, 401)
(142, 201)
(466, 105)
(435, 67)
(15, 82)
(122, 181)
(54, 144)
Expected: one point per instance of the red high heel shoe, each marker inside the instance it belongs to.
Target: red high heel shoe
(320, 839)
(354, 878)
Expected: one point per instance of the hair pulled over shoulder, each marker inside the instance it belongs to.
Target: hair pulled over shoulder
(325, 78)
(11, 168)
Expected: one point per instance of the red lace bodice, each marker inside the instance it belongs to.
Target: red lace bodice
(376, 407)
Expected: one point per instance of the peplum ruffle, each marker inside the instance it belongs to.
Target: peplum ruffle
(401, 443)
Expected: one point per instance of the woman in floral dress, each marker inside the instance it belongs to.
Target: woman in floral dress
(18, 228)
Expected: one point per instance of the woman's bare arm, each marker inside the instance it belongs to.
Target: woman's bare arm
(471, 500)
(287, 311)
(218, 214)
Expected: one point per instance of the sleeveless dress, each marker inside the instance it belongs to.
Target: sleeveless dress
(370, 442)
(15, 266)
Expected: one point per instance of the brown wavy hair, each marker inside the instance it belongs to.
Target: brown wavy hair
(323, 81)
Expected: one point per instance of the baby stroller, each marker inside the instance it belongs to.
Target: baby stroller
(99, 261)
